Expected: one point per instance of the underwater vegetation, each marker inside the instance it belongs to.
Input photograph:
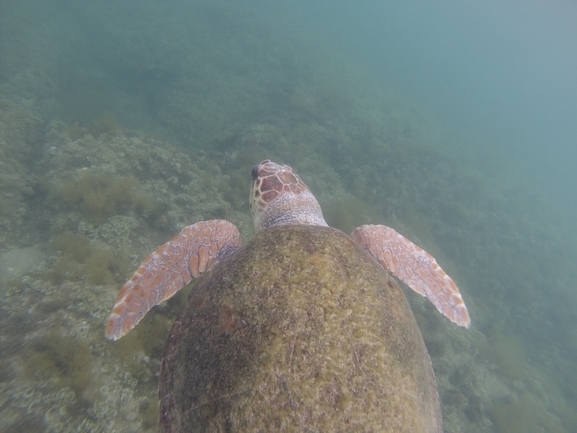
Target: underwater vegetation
(523, 411)
(507, 352)
(80, 259)
(105, 124)
(95, 226)
(348, 212)
(98, 196)
(64, 361)
(525, 415)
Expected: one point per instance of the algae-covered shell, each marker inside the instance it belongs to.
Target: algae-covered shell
(299, 331)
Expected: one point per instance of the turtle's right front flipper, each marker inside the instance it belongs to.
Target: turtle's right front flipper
(168, 269)
(415, 267)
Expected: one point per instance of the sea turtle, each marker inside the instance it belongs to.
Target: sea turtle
(300, 330)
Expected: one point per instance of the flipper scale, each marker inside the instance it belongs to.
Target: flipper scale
(172, 266)
(415, 267)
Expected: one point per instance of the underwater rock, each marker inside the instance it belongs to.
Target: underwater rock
(16, 263)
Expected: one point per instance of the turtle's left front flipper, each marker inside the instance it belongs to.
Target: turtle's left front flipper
(172, 266)
(414, 267)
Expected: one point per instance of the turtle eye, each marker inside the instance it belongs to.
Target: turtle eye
(255, 172)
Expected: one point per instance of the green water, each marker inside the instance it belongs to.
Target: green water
(120, 123)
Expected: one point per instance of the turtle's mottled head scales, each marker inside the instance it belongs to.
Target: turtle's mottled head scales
(278, 196)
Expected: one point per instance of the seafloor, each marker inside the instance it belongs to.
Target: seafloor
(115, 134)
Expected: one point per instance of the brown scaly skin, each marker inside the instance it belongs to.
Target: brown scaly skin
(168, 269)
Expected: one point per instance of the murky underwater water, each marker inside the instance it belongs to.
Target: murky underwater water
(120, 124)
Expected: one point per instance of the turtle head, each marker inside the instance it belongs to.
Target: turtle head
(279, 197)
